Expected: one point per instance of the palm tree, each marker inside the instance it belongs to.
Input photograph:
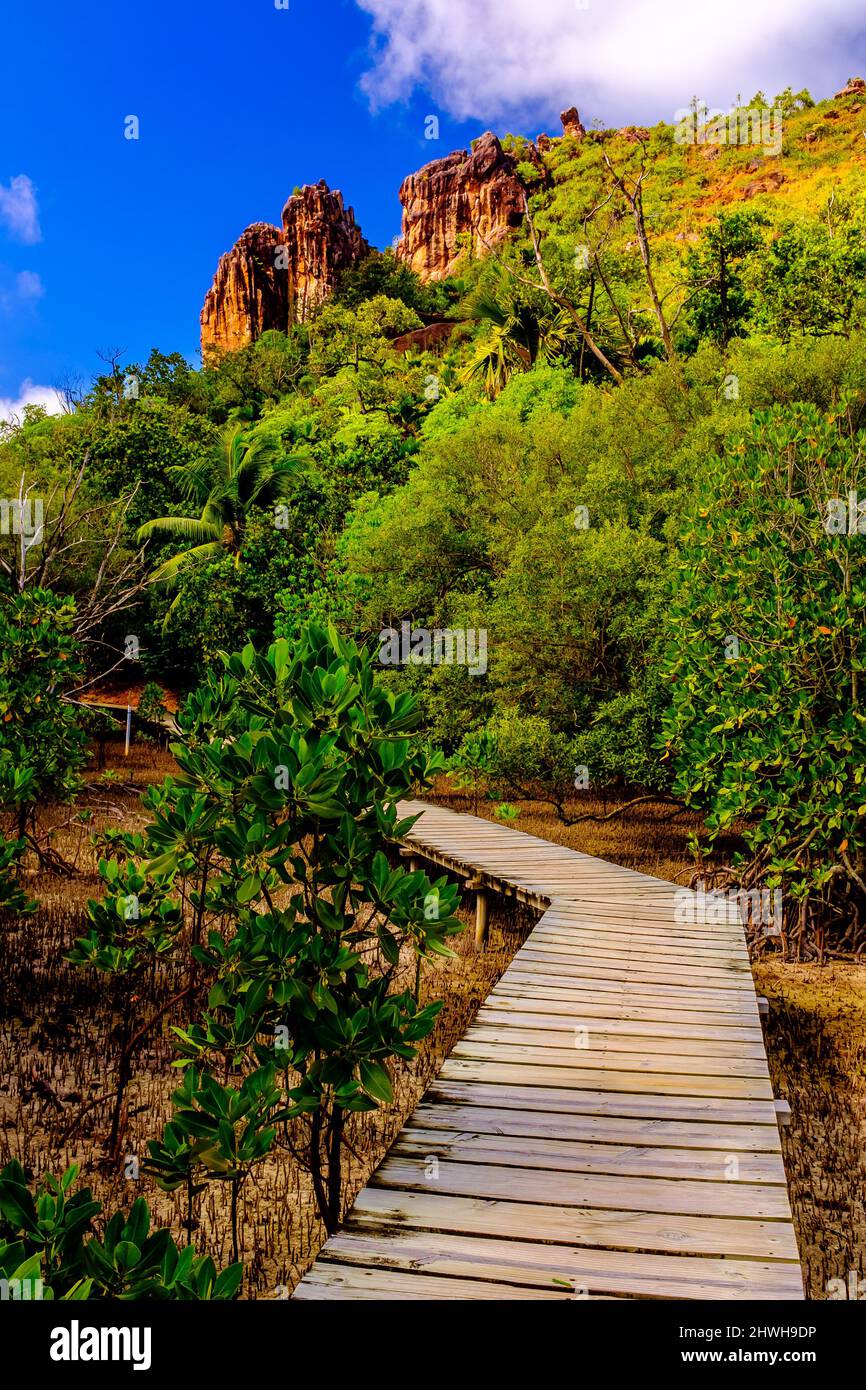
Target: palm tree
(243, 471)
(519, 335)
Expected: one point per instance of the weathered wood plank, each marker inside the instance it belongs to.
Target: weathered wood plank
(664, 1033)
(588, 1036)
(335, 1281)
(552, 1187)
(368, 1243)
(747, 1140)
(635, 1160)
(675, 1004)
(603, 1078)
(603, 1228)
(582, 1101)
(505, 1049)
(574, 1004)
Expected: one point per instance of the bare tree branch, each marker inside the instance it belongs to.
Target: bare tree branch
(634, 198)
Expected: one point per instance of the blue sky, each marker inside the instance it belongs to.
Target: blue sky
(107, 242)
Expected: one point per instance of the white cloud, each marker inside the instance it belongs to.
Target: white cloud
(28, 285)
(19, 212)
(26, 288)
(30, 394)
(624, 60)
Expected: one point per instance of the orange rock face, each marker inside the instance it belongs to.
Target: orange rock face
(321, 239)
(249, 293)
(572, 124)
(464, 198)
(274, 276)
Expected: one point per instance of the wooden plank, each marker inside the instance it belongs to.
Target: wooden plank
(575, 1004)
(723, 1000)
(508, 1049)
(659, 927)
(604, 994)
(583, 1101)
(598, 1227)
(579, 967)
(334, 1281)
(635, 1160)
(621, 943)
(567, 922)
(632, 1032)
(614, 1192)
(368, 1243)
(664, 943)
(749, 1140)
(680, 960)
(531, 1030)
(606, 1079)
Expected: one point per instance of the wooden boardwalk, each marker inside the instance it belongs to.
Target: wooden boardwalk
(605, 1128)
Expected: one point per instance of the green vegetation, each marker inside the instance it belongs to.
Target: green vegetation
(766, 728)
(49, 1249)
(290, 767)
(536, 477)
(42, 744)
(632, 465)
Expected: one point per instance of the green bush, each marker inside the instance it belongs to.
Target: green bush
(48, 1244)
(530, 760)
(291, 764)
(42, 743)
(767, 642)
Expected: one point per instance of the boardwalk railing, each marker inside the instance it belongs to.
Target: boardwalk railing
(606, 1127)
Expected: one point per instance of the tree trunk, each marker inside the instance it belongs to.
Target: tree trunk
(123, 1076)
(335, 1170)
(316, 1164)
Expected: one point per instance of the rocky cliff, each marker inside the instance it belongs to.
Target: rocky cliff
(464, 200)
(321, 238)
(274, 276)
(249, 294)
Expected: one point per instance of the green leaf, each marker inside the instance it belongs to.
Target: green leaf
(376, 1081)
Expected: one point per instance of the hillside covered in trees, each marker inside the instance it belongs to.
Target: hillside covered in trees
(625, 443)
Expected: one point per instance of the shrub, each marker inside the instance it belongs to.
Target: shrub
(42, 744)
(531, 760)
(291, 765)
(48, 1245)
(767, 642)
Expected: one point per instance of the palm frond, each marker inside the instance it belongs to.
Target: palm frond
(217, 512)
(232, 448)
(194, 479)
(191, 528)
(187, 559)
(486, 308)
